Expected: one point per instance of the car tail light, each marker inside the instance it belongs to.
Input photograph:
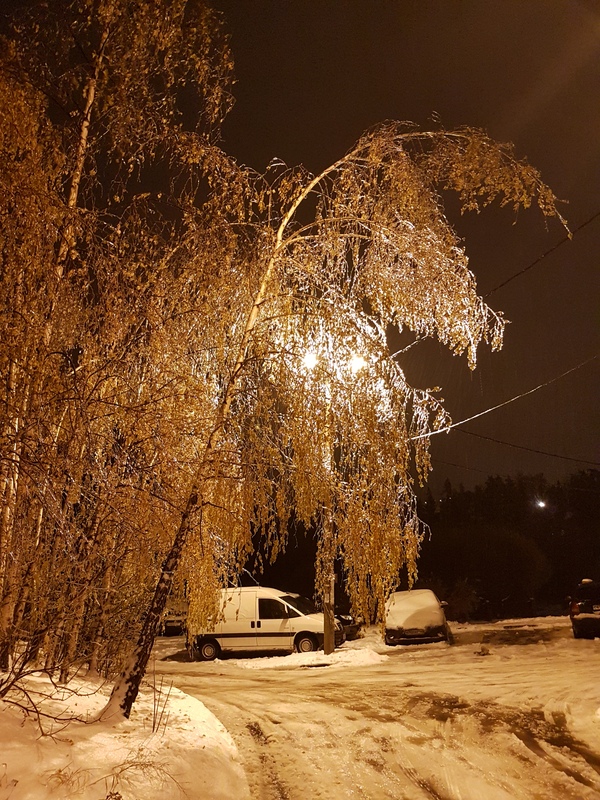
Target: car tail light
(575, 609)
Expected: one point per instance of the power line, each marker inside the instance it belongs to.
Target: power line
(566, 238)
(554, 247)
(505, 403)
(530, 449)
(460, 466)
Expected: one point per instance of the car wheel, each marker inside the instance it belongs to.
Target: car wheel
(577, 634)
(207, 650)
(305, 643)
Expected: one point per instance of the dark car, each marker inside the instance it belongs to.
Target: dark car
(350, 625)
(173, 619)
(584, 610)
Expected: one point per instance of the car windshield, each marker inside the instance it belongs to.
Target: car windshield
(301, 604)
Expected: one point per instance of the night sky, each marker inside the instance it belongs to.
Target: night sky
(312, 75)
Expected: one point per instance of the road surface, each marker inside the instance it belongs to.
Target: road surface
(494, 717)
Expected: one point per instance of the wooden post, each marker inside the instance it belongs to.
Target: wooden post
(329, 614)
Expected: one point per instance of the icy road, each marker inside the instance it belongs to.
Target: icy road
(510, 712)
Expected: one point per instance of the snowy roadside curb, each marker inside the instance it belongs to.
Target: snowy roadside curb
(339, 658)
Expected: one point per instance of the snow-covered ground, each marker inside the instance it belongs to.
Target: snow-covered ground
(511, 712)
(171, 747)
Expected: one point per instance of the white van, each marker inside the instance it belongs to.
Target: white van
(256, 618)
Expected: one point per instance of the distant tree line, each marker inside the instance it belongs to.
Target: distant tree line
(512, 546)
(509, 547)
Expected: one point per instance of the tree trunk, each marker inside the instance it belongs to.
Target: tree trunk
(9, 553)
(72, 635)
(7, 609)
(127, 685)
(97, 632)
(51, 644)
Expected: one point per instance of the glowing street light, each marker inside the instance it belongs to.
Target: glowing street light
(357, 363)
(310, 360)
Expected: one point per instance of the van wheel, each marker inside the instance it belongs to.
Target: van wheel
(305, 643)
(207, 650)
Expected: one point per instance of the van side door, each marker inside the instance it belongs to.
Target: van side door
(275, 631)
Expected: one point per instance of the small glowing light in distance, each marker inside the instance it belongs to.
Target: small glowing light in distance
(357, 364)
(310, 360)
(540, 503)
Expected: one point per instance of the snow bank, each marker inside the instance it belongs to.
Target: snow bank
(188, 754)
(339, 658)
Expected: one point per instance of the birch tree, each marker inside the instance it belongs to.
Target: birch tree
(96, 101)
(377, 252)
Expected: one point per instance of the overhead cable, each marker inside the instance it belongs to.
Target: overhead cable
(461, 466)
(506, 402)
(530, 449)
(554, 247)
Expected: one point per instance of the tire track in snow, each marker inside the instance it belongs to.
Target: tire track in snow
(249, 733)
(536, 748)
(259, 737)
(532, 729)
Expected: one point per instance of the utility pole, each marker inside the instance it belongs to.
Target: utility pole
(329, 614)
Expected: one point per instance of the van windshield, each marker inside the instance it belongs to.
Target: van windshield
(301, 604)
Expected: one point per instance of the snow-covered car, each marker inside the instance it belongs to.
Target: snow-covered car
(584, 610)
(415, 617)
